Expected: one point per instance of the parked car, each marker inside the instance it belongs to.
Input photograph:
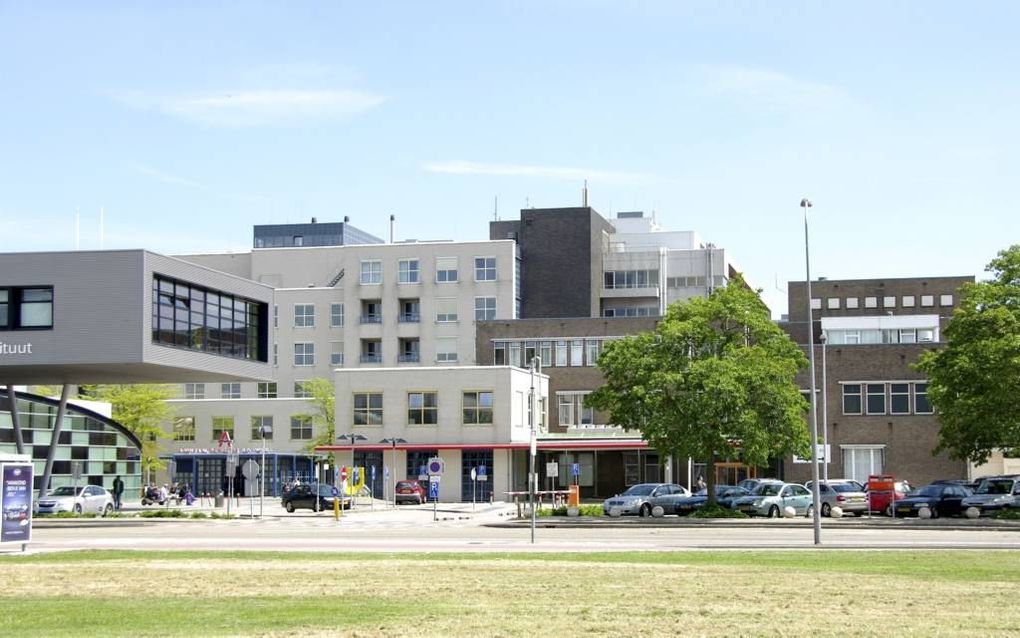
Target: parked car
(770, 498)
(641, 498)
(410, 491)
(881, 500)
(994, 493)
(750, 483)
(724, 497)
(81, 499)
(846, 494)
(314, 496)
(942, 499)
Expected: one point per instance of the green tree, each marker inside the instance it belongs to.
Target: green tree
(323, 400)
(714, 381)
(142, 409)
(974, 381)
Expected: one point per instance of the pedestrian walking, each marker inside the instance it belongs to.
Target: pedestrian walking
(118, 492)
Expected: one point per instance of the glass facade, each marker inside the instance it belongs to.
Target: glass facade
(101, 447)
(189, 316)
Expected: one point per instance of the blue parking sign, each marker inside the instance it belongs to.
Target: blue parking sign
(373, 473)
(575, 469)
(434, 491)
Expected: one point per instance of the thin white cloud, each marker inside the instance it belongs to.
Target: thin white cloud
(766, 88)
(462, 167)
(166, 177)
(250, 108)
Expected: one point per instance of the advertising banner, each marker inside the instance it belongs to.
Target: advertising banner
(16, 503)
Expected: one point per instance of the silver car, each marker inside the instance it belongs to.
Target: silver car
(640, 499)
(81, 499)
(770, 498)
(846, 494)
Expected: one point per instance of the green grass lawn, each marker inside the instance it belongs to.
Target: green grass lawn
(633, 594)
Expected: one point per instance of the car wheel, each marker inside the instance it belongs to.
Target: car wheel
(77, 508)
(108, 509)
(826, 509)
(888, 510)
(289, 507)
(774, 511)
(810, 513)
(934, 512)
(646, 510)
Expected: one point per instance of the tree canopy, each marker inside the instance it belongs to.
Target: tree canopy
(322, 397)
(142, 409)
(974, 381)
(714, 381)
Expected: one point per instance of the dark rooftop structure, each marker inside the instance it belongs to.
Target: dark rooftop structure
(311, 234)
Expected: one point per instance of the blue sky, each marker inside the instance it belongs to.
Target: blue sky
(189, 122)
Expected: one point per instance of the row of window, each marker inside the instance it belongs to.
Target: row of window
(26, 308)
(896, 398)
(906, 301)
(266, 390)
(614, 279)
(409, 270)
(632, 311)
(695, 282)
(423, 408)
(558, 352)
(410, 312)
(301, 427)
(874, 336)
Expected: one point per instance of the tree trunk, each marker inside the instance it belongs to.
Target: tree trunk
(710, 480)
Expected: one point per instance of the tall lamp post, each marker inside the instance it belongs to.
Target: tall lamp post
(815, 499)
(394, 440)
(827, 450)
(532, 477)
(263, 430)
(353, 437)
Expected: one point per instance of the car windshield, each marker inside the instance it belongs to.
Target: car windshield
(995, 486)
(405, 484)
(844, 487)
(929, 490)
(768, 489)
(67, 490)
(640, 490)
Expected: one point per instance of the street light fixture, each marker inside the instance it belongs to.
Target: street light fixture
(394, 440)
(815, 497)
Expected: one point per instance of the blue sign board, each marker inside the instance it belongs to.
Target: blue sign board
(357, 475)
(434, 491)
(575, 469)
(373, 473)
(335, 491)
(386, 472)
(481, 470)
(423, 474)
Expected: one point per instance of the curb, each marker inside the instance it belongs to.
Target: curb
(662, 523)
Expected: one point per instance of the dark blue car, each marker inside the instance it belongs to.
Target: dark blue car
(724, 495)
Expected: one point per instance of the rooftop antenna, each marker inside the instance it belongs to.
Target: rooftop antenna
(102, 212)
(495, 208)
(393, 218)
(584, 198)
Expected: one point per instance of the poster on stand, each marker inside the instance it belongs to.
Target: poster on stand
(16, 503)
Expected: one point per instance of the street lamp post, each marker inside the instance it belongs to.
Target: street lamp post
(815, 498)
(827, 450)
(353, 437)
(393, 471)
(532, 478)
(262, 470)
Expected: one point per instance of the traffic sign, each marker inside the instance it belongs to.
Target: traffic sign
(552, 469)
(373, 473)
(434, 489)
(434, 479)
(482, 475)
(474, 474)
(232, 459)
(343, 473)
(335, 491)
(423, 473)
(435, 466)
(386, 472)
(250, 470)
(575, 469)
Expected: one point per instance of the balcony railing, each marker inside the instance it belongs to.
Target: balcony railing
(409, 357)
(409, 317)
(371, 358)
(371, 318)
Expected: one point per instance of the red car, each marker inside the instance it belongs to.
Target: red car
(409, 492)
(883, 490)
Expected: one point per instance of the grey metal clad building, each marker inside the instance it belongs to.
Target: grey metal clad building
(311, 234)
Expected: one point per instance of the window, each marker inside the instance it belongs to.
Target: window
(485, 269)
(371, 272)
(876, 398)
(477, 407)
(908, 301)
(261, 426)
(410, 351)
(5, 305)
(371, 311)
(871, 302)
(576, 352)
(921, 405)
(546, 349)
(851, 303)
(925, 335)
(336, 353)
(336, 315)
(446, 349)
(860, 462)
(899, 398)
(592, 354)
(368, 408)
(194, 390)
(499, 353)
(572, 411)
(561, 353)
(188, 316)
(371, 351)
(515, 353)
(446, 270)
(230, 390)
(888, 302)
(299, 240)
(832, 303)
(927, 301)
(267, 390)
(816, 304)
(945, 300)
(408, 271)
(276, 351)
(184, 428)
(300, 427)
(304, 353)
(301, 390)
(485, 308)
(616, 279)
(631, 311)
(27, 308)
(220, 425)
(422, 408)
(446, 310)
(852, 398)
(276, 316)
(304, 315)
(410, 311)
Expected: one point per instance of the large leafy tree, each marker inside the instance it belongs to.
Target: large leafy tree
(714, 381)
(142, 409)
(322, 397)
(974, 381)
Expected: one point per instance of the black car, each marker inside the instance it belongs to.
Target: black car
(943, 499)
(724, 495)
(314, 496)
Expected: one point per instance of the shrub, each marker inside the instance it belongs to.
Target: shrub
(584, 510)
(1008, 514)
(199, 515)
(218, 515)
(716, 512)
(161, 514)
(68, 515)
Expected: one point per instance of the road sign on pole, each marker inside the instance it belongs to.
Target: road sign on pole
(482, 474)
(435, 466)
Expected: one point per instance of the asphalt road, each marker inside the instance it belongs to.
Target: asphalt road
(492, 529)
